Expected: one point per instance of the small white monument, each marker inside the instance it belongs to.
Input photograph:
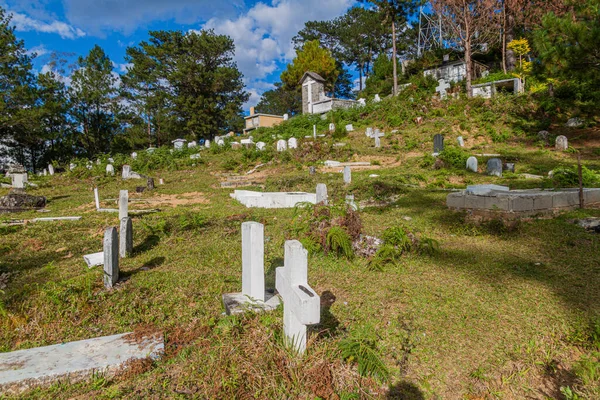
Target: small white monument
(301, 305)
(292, 143)
(442, 88)
(281, 145)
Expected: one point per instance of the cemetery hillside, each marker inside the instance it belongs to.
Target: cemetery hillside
(410, 210)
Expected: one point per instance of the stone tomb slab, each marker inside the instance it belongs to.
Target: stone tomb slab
(239, 303)
(23, 369)
(273, 199)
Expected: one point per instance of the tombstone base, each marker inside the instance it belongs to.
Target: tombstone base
(94, 260)
(238, 303)
(24, 369)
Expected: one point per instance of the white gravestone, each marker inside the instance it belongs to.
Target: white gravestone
(472, 164)
(332, 127)
(51, 169)
(111, 257)
(349, 128)
(126, 238)
(369, 132)
(192, 144)
(286, 117)
(362, 102)
(442, 88)
(347, 175)
(96, 198)
(281, 145)
(178, 143)
(123, 204)
(292, 143)
(321, 194)
(461, 141)
(207, 144)
(314, 131)
(377, 142)
(562, 143)
(19, 180)
(72, 166)
(253, 296)
(301, 305)
(261, 146)
(376, 99)
(161, 181)
(110, 170)
(126, 171)
(134, 155)
(45, 172)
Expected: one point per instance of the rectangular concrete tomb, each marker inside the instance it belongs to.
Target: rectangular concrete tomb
(273, 199)
(23, 369)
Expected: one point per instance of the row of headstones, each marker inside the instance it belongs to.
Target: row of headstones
(494, 166)
(301, 304)
(349, 128)
(438, 143)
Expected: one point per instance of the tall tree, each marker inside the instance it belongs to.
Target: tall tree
(280, 101)
(395, 13)
(474, 27)
(16, 79)
(187, 80)
(53, 108)
(312, 57)
(95, 105)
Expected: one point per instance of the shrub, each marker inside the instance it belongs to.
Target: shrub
(568, 177)
(339, 242)
(454, 156)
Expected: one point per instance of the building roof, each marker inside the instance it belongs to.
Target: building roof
(313, 75)
(264, 115)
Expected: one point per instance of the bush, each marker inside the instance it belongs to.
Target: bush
(454, 156)
(569, 177)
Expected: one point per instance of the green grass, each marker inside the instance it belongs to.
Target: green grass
(493, 313)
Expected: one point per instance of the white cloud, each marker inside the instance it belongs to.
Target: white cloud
(39, 51)
(61, 78)
(263, 36)
(23, 23)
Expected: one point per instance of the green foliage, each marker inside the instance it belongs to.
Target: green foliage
(397, 237)
(280, 101)
(492, 77)
(312, 57)
(360, 347)
(569, 393)
(588, 368)
(339, 242)
(428, 246)
(455, 157)
(569, 177)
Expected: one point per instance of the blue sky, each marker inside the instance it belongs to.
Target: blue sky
(262, 31)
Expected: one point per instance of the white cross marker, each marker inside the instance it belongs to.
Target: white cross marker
(301, 305)
(441, 89)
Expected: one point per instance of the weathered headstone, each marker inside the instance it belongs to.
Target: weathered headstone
(96, 198)
(123, 204)
(322, 194)
(134, 155)
(161, 181)
(236, 145)
(292, 143)
(19, 180)
(111, 257)
(472, 164)
(350, 202)
(312, 170)
(347, 175)
(314, 131)
(126, 238)
(494, 167)
(369, 132)
(126, 171)
(543, 136)
(72, 166)
(442, 88)
(150, 183)
(461, 141)
(261, 146)
(253, 259)
(438, 143)
(376, 99)
(45, 172)
(195, 156)
(377, 142)
(178, 143)
(207, 144)
(110, 170)
(562, 143)
(192, 144)
(575, 123)
(286, 117)
(281, 145)
(332, 127)
(362, 102)
(349, 128)
(510, 167)
(51, 169)
(301, 305)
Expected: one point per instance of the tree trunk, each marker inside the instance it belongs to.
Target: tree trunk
(511, 60)
(468, 64)
(360, 83)
(394, 58)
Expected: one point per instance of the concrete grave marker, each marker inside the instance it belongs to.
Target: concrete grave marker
(472, 164)
(301, 305)
(207, 144)
(292, 143)
(253, 295)
(438, 143)
(286, 117)
(349, 128)
(494, 167)
(377, 142)
(72, 166)
(322, 194)
(332, 127)
(96, 198)
(442, 88)
(123, 204)
(461, 141)
(281, 145)
(126, 171)
(376, 99)
(134, 155)
(510, 167)
(126, 238)
(111, 257)
(362, 102)
(261, 146)
(51, 169)
(369, 132)
(562, 143)
(110, 170)
(19, 180)
(95, 259)
(178, 143)
(347, 175)
(350, 202)
(192, 144)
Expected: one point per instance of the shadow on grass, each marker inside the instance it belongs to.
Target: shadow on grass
(404, 391)
(270, 272)
(329, 323)
(148, 244)
(148, 266)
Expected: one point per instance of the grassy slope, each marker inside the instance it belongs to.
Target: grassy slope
(495, 314)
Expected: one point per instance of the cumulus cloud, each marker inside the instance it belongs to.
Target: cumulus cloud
(24, 23)
(263, 36)
(128, 15)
